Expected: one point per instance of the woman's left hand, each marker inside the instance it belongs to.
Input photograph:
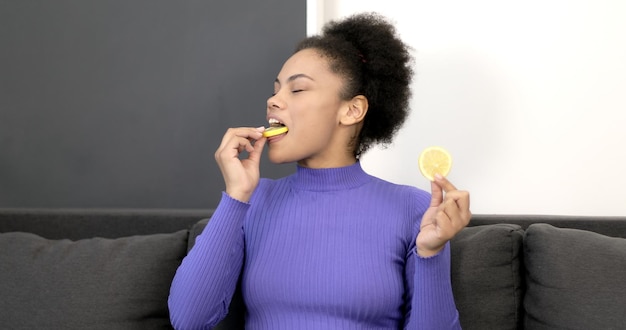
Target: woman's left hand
(445, 217)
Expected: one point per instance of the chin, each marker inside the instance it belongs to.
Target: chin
(280, 158)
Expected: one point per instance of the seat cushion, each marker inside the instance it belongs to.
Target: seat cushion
(486, 276)
(92, 283)
(575, 279)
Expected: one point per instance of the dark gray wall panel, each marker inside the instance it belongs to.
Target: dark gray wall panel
(123, 103)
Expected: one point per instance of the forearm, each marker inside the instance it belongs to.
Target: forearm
(206, 279)
(433, 304)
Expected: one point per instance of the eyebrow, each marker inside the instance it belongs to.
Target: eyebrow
(294, 77)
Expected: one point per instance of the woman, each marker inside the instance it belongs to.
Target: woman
(329, 247)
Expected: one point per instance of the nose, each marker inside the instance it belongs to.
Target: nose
(274, 102)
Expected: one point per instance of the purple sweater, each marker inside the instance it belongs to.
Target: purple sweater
(320, 249)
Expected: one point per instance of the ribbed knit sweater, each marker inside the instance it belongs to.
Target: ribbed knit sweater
(319, 249)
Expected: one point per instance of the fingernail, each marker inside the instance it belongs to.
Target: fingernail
(438, 176)
(260, 128)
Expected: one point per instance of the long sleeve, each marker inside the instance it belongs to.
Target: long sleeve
(324, 249)
(432, 305)
(207, 277)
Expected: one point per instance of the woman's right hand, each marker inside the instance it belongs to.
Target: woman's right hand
(241, 176)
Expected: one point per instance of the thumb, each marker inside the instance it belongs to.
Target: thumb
(255, 155)
(436, 194)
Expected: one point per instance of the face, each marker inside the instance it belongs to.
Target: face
(307, 100)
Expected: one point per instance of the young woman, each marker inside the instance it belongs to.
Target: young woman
(329, 247)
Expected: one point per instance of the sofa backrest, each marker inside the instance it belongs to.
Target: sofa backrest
(614, 226)
(573, 270)
(489, 275)
(77, 224)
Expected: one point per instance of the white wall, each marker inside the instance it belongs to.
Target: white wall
(528, 96)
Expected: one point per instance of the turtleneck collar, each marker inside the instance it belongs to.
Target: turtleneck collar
(329, 179)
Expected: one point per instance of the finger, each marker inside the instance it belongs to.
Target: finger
(436, 194)
(255, 132)
(460, 197)
(238, 143)
(451, 209)
(242, 132)
(239, 139)
(255, 154)
(445, 224)
(251, 135)
(456, 206)
(245, 146)
(463, 201)
(446, 185)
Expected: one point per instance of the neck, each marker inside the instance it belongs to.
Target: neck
(347, 160)
(329, 179)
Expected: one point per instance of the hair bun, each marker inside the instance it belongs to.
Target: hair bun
(366, 50)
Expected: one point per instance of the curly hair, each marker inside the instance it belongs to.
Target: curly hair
(367, 52)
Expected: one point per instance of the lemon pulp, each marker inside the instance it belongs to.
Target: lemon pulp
(434, 160)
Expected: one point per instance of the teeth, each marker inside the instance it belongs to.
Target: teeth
(273, 121)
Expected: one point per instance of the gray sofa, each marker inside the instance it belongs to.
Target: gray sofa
(111, 269)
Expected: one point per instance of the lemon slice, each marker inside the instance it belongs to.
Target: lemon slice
(434, 160)
(273, 131)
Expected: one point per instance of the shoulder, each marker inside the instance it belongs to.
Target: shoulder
(400, 200)
(400, 191)
(399, 204)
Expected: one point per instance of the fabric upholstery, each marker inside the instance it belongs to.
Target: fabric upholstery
(486, 281)
(575, 279)
(92, 283)
(78, 224)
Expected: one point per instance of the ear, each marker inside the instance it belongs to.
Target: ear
(355, 110)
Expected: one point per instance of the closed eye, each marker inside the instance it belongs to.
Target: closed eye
(293, 91)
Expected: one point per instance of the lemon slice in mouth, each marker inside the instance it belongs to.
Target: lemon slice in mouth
(275, 130)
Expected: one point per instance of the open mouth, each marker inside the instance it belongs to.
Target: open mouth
(276, 128)
(275, 123)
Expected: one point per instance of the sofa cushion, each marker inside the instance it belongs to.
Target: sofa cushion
(575, 279)
(486, 276)
(93, 283)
